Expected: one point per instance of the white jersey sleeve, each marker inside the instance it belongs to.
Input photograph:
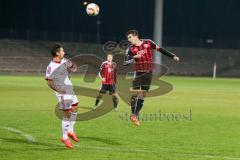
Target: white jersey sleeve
(49, 72)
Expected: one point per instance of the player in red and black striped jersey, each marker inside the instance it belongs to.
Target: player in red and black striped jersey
(108, 75)
(140, 53)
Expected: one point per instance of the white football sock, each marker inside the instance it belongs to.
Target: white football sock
(73, 118)
(65, 127)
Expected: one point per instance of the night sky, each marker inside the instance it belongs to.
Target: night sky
(182, 18)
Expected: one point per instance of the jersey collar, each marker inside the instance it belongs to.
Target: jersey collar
(56, 61)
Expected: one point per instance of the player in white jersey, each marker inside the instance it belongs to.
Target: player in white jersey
(57, 79)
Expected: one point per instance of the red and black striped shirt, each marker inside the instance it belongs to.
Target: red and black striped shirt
(108, 71)
(144, 62)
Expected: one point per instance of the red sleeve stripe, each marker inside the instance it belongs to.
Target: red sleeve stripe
(48, 79)
(75, 104)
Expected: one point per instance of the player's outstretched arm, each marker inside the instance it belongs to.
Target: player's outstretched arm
(163, 51)
(169, 54)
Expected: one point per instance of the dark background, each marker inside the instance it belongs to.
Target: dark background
(182, 18)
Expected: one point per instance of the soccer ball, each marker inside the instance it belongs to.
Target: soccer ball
(92, 9)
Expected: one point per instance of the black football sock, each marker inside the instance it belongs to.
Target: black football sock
(115, 101)
(139, 105)
(97, 100)
(133, 104)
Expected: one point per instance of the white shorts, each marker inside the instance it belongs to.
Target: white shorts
(66, 101)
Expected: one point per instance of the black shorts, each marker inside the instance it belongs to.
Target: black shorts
(142, 81)
(111, 88)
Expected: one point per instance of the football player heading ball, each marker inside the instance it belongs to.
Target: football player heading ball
(140, 53)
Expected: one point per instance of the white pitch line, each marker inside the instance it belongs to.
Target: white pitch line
(28, 137)
(114, 149)
(143, 150)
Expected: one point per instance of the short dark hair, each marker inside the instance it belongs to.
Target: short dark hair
(55, 48)
(132, 31)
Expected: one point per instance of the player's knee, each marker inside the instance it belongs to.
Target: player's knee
(135, 93)
(140, 96)
(144, 94)
(67, 113)
(115, 98)
(100, 95)
(133, 98)
(74, 109)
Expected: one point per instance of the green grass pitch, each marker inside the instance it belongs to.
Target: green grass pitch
(30, 130)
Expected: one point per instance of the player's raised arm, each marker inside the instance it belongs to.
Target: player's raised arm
(72, 67)
(128, 58)
(164, 51)
(169, 54)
